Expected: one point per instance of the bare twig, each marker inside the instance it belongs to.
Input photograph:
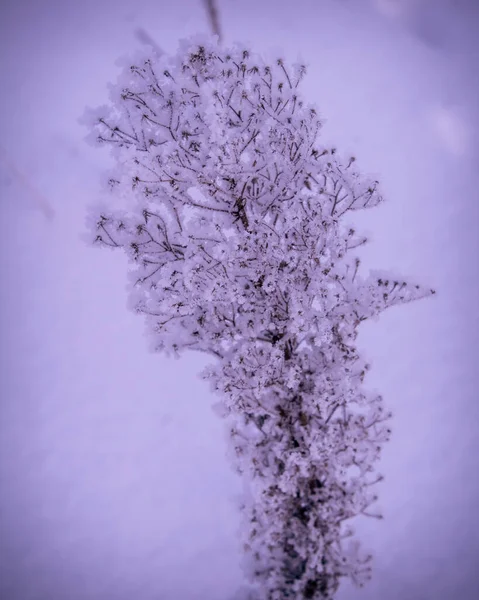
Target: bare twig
(39, 199)
(213, 17)
(145, 38)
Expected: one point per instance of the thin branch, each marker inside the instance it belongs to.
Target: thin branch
(39, 199)
(212, 10)
(145, 38)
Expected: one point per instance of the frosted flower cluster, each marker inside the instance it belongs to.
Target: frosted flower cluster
(234, 227)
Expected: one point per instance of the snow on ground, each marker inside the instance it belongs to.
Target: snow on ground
(113, 479)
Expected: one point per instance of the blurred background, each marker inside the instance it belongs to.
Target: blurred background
(113, 478)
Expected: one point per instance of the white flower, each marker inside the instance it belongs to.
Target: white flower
(234, 228)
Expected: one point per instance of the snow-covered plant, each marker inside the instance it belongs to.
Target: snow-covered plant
(234, 226)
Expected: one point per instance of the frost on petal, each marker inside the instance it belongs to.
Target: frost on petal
(232, 219)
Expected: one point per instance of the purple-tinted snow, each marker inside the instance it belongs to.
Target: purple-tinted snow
(113, 479)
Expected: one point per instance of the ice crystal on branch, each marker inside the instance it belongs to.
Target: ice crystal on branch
(234, 226)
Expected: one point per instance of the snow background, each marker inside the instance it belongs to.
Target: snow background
(113, 478)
